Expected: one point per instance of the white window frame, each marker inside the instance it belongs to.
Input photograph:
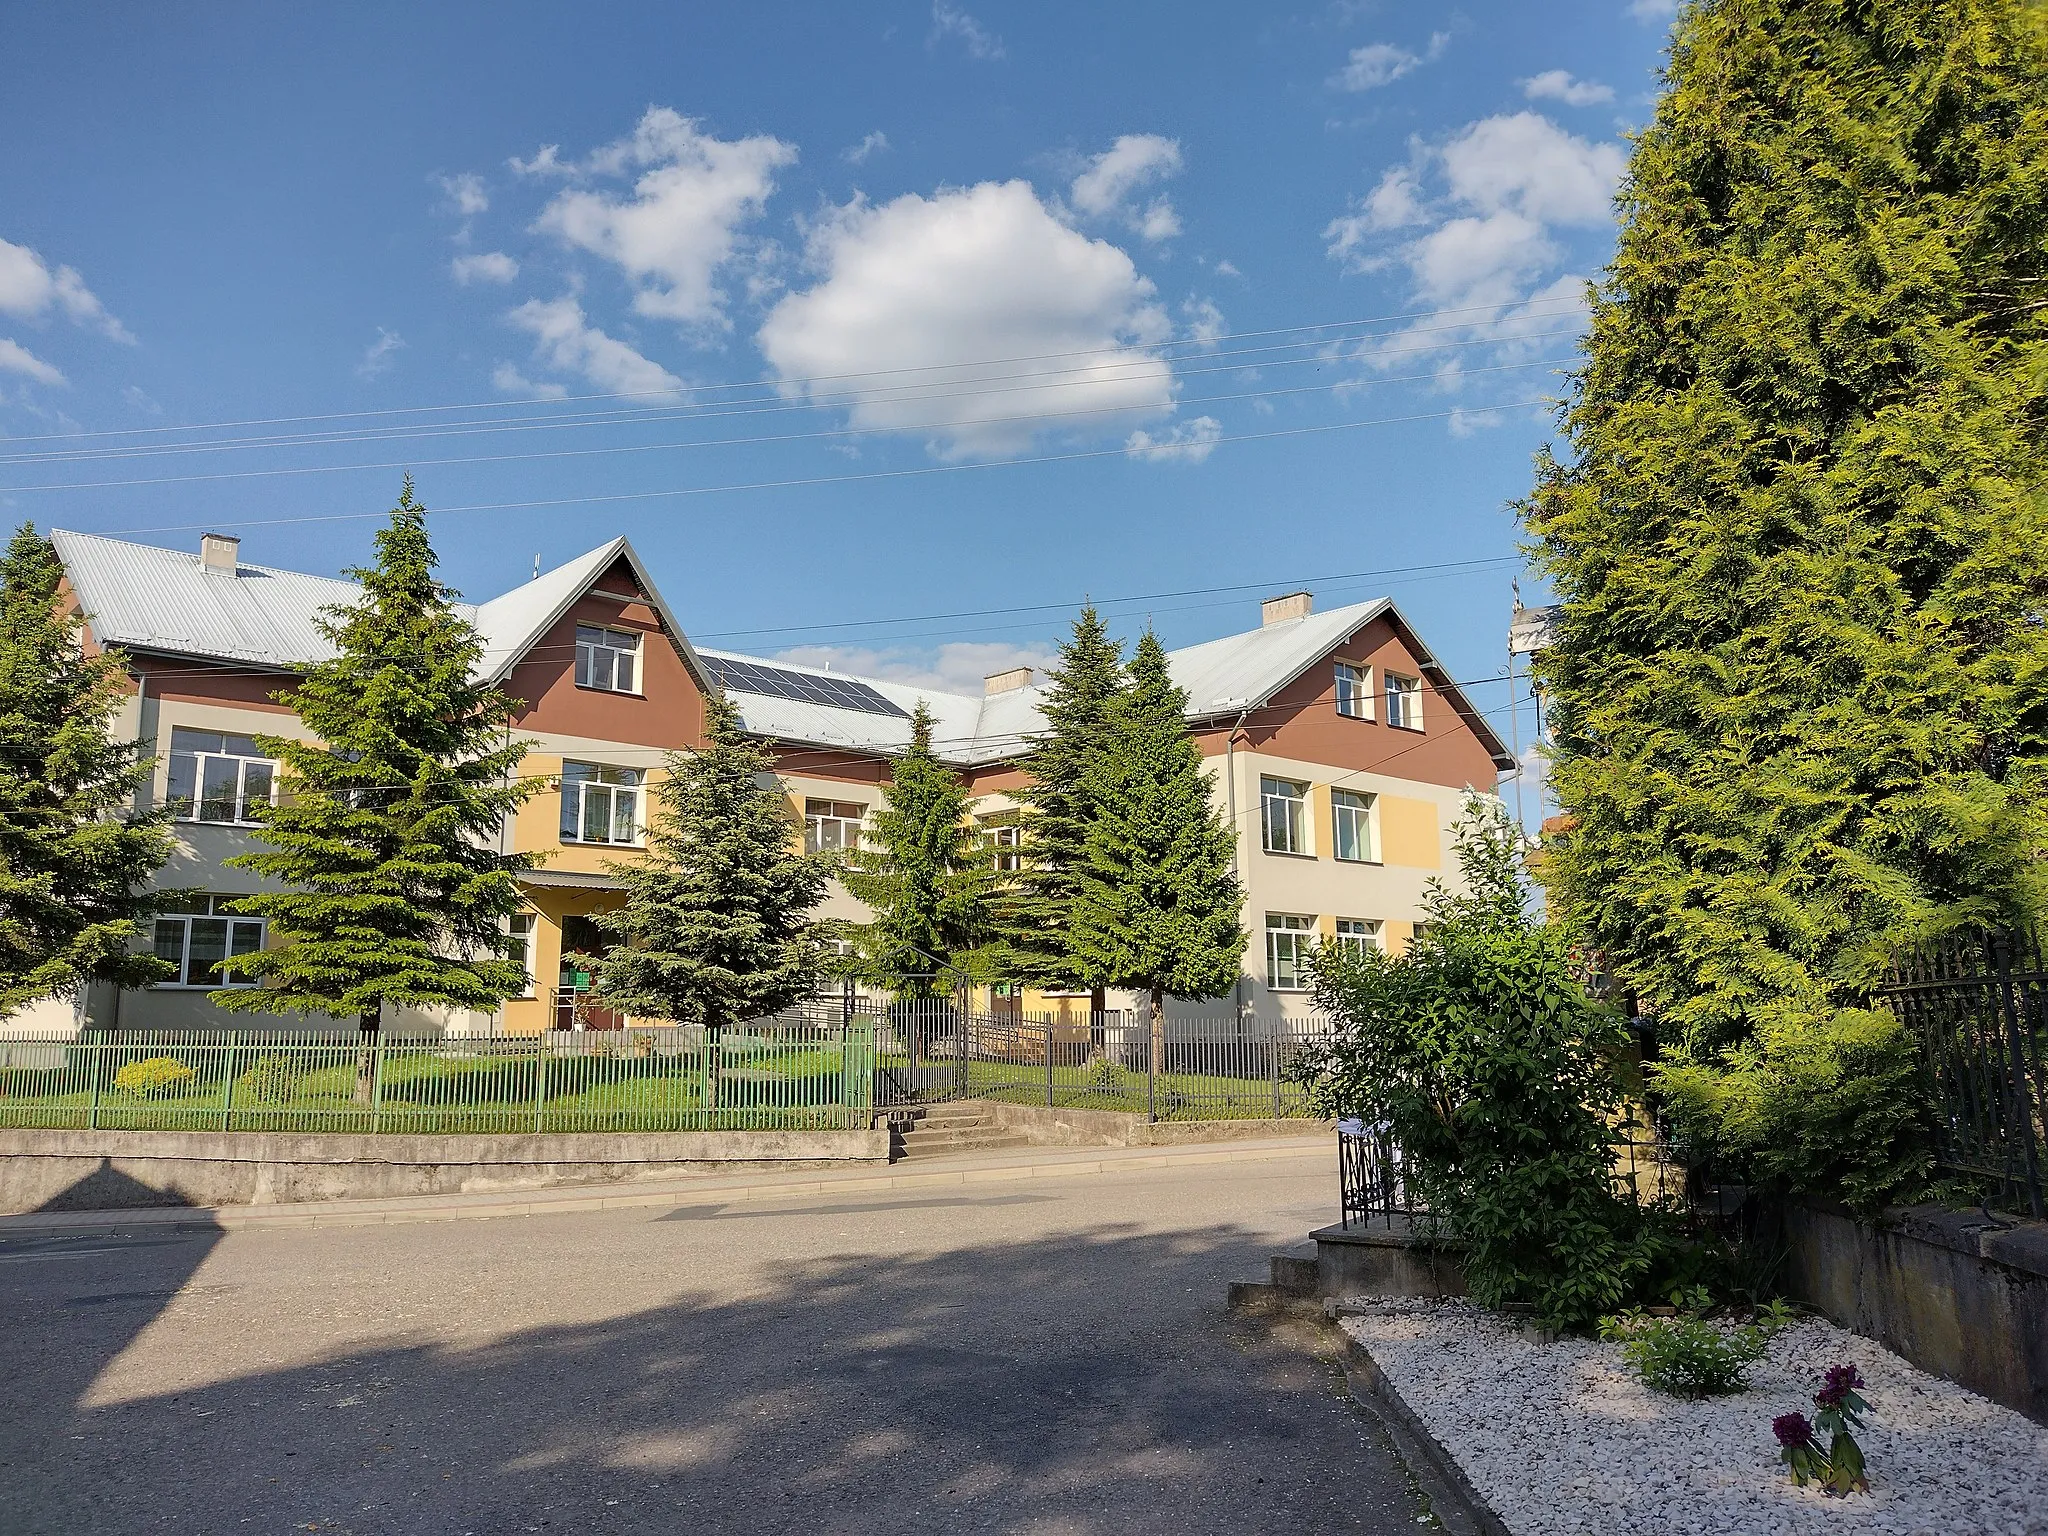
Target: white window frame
(821, 814)
(523, 928)
(1006, 843)
(603, 655)
(1354, 690)
(1361, 933)
(234, 929)
(577, 790)
(1404, 702)
(1291, 809)
(239, 767)
(1361, 810)
(1292, 936)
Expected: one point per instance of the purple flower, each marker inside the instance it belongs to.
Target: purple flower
(1792, 1430)
(1840, 1382)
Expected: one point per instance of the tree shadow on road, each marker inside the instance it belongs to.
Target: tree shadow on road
(1079, 1383)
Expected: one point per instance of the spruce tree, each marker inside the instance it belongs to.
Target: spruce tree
(75, 854)
(1059, 807)
(925, 871)
(1158, 905)
(716, 927)
(1799, 694)
(385, 835)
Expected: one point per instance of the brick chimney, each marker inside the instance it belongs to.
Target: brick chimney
(1279, 610)
(1005, 682)
(218, 552)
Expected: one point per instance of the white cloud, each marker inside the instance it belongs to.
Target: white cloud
(916, 296)
(1206, 325)
(1559, 85)
(15, 358)
(377, 355)
(1227, 269)
(876, 143)
(1526, 163)
(950, 21)
(1188, 441)
(507, 380)
(484, 267)
(958, 666)
(1106, 188)
(140, 398)
(546, 161)
(566, 341)
(1378, 64)
(682, 224)
(30, 290)
(1653, 10)
(466, 195)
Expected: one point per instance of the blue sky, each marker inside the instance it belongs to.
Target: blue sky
(900, 250)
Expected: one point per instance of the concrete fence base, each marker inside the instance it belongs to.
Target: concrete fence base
(109, 1170)
(1061, 1127)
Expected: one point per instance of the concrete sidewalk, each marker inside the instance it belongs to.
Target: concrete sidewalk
(988, 1168)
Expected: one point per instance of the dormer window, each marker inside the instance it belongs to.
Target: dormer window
(607, 658)
(1404, 702)
(1354, 691)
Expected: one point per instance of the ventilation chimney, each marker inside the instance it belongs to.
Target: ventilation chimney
(1005, 682)
(1278, 610)
(217, 552)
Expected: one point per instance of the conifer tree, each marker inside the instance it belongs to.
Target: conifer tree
(1059, 807)
(385, 835)
(1799, 693)
(716, 928)
(74, 852)
(1158, 906)
(925, 871)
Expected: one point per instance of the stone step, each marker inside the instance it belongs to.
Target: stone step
(923, 1143)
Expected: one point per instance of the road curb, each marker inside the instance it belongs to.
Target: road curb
(1428, 1458)
(668, 1195)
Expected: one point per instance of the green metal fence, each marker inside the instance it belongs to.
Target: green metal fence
(769, 1076)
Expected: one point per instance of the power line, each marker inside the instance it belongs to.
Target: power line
(1494, 310)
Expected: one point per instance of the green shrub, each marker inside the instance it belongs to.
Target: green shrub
(1102, 1074)
(270, 1079)
(1499, 1079)
(1832, 1107)
(1689, 1356)
(154, 1077)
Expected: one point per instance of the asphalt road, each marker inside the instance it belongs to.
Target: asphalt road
(1045, 1358)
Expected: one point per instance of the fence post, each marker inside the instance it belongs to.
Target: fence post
(376, 1081)
(227, 1087)
(1152, 1031)
(1273, 1054)
(92, 1113)
(2019, 1099)
(540, 1080)
(1048, 1063)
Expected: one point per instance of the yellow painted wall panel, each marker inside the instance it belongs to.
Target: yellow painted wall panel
(1396, 934)
(1408, 833)
(1322, 824)
(1326, 927)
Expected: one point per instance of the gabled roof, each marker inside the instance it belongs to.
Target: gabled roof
(143, 598)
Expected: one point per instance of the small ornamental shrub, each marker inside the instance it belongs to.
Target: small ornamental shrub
(270, 1080)
(154, 1077)
(1103, 1074)
(1688, 1355)
(1839, 1469)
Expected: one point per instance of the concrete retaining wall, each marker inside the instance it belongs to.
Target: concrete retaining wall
(1951, 1291)
(1112, 1128)
(100, 1170)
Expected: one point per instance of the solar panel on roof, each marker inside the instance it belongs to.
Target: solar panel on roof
(804, 687)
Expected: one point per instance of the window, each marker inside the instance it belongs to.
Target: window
(830, 824)
(1285, 814)
(1358, 933)
(606, 658)
(1006, 841)
(600, 805)
(520, 925)
(1289, 942)
(1351, 826)
(197, 938)
(1404, 702)
(218, 777)
(1354, 691)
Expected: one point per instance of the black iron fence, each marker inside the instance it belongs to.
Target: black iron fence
(1978, 1006)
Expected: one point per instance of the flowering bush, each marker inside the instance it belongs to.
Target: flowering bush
(271, 1079)
(1839, 1468)
(153, 1077)
(1689, 1356)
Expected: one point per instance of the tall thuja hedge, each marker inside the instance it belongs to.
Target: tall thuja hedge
(1800, 688)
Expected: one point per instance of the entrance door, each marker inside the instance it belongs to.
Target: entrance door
(574, 1008)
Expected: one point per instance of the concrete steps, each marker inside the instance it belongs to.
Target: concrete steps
(943, 1130)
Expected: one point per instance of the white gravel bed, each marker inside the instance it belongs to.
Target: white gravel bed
(1564, 1438)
